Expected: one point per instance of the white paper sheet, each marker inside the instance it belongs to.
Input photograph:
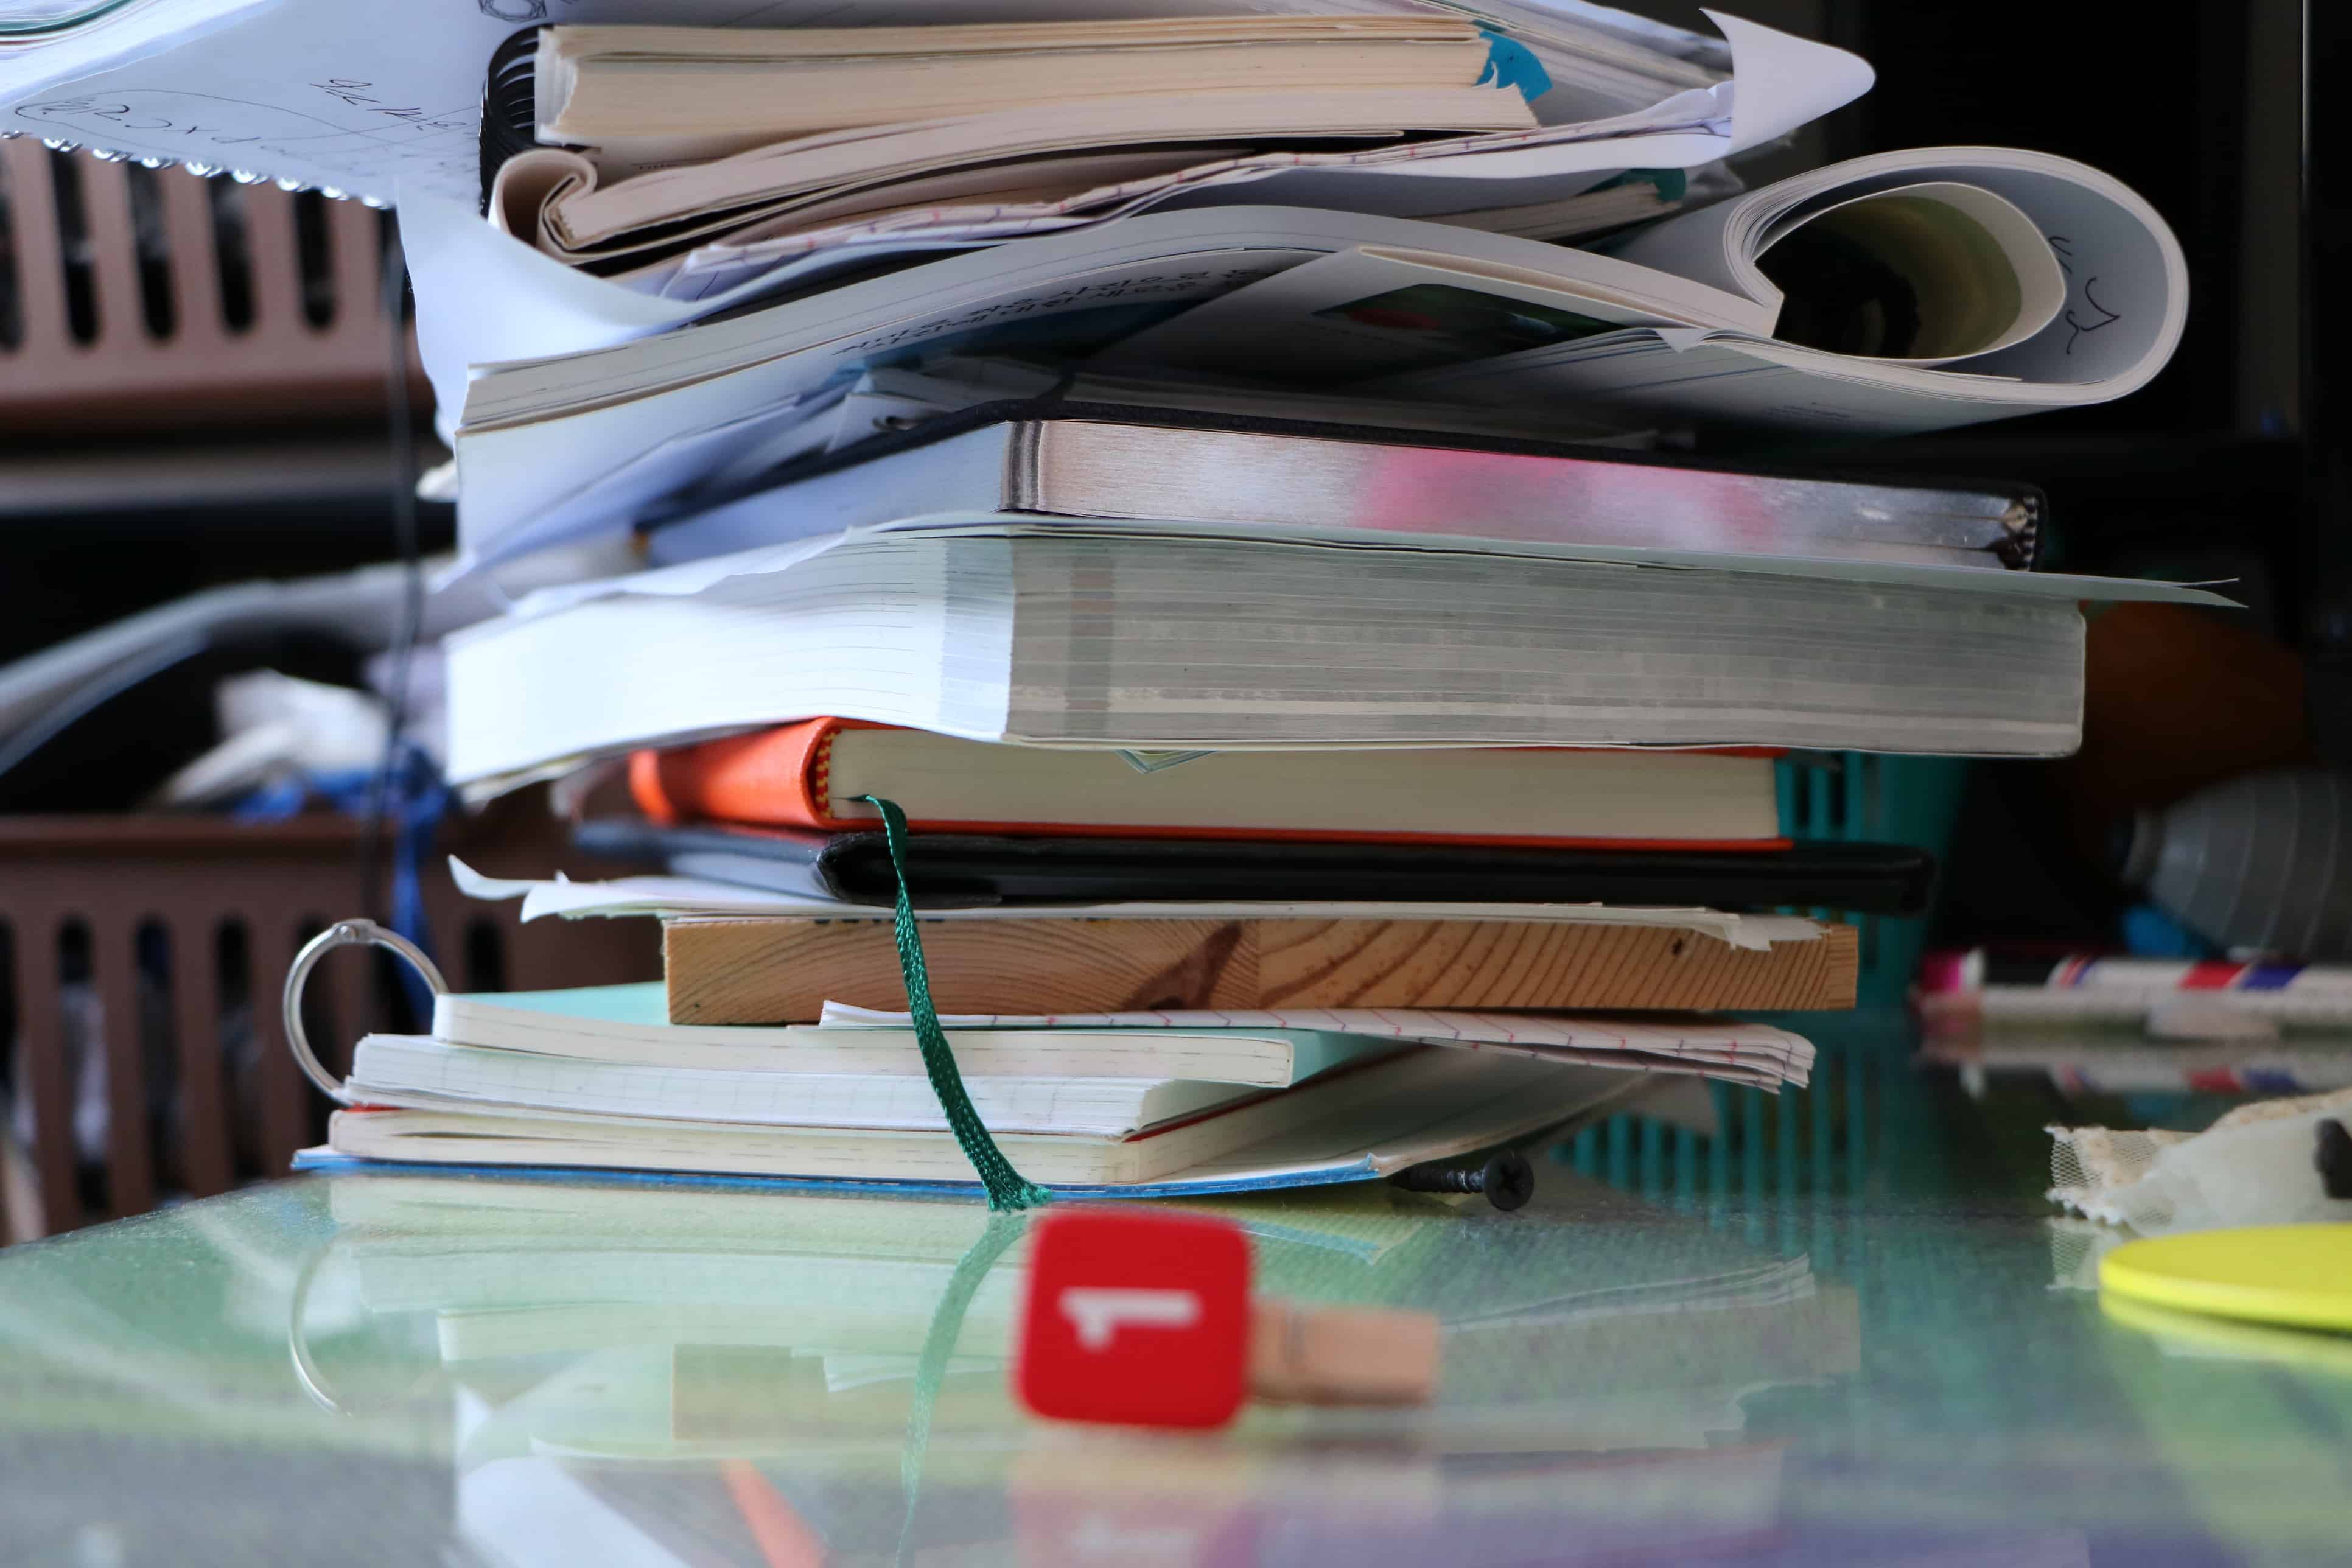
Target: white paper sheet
(1326, 319)
(704, 456)
(1592, 1037)
(683, 896)
(1659, 1031)
(1350, 181)
(697, 575)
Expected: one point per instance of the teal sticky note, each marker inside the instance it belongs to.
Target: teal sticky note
(1673, 183)
(1510, 63)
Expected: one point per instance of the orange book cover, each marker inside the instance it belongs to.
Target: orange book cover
(775, 778)
(780, 778)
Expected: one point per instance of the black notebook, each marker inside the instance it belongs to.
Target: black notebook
(951, 871)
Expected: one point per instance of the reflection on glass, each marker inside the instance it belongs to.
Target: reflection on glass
(2085, 1061)
(2197, 1336)
(702, 1375)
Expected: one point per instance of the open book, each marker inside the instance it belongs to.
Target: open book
(578, 207)
(1913, 291)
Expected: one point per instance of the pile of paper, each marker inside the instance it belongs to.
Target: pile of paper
(1192, 635)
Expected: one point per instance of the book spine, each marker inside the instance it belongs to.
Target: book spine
(819, 790)
(775, 778)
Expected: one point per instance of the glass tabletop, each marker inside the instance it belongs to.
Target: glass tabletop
(1841, 1326)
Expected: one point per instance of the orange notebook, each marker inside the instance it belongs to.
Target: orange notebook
(809, 776)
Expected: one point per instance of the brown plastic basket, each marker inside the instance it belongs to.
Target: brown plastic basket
(185, 927)
(137, 298)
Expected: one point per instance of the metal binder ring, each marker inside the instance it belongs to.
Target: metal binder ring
(342, 934)
(306, 1370)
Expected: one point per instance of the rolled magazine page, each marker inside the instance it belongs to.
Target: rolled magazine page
(1923, 274)
(2125, 299)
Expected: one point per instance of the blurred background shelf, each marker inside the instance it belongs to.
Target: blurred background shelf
(172, 934)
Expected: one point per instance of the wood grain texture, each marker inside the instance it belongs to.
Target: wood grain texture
(779, 970)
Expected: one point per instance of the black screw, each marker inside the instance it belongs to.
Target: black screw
(1507, 1180)
(2334, 1159)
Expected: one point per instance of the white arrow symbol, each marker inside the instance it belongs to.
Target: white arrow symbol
(1097, 1313)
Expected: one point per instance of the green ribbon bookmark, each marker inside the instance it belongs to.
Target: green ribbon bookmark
(1007, 1188)
(939, 1346)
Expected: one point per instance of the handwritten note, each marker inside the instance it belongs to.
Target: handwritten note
(207, 128)
(332, 93)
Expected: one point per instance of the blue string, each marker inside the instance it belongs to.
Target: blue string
(416, 800)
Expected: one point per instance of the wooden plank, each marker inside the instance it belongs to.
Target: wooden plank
(783, 971)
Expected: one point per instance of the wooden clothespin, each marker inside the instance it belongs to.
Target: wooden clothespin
(1146, 1319)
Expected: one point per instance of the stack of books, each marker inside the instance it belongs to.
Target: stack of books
(1190, 546)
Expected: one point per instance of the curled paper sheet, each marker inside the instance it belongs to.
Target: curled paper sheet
(691, 896)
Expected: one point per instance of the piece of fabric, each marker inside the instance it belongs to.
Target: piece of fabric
(2256, 1165)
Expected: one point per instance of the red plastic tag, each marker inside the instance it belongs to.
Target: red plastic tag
(1135, 1317)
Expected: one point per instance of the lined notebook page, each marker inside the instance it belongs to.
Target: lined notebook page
(395, 1069)
(1700, 1040)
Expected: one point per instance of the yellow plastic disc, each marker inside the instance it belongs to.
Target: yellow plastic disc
(2298, 1273)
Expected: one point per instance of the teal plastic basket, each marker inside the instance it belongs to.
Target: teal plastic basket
(1857, 797)
(1864, 1099)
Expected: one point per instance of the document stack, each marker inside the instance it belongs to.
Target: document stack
(1191, 635)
